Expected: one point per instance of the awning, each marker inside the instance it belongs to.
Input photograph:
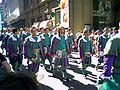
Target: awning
(43, 24)
(36, 25)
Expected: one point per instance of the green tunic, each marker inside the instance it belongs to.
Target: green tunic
(86, 44)
(47, 40)
(62, 45)
(36, 45)
(70, 39)
(15, 44)
(103, 40)
(31, 45)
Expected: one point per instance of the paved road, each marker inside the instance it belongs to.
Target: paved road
(78, 82)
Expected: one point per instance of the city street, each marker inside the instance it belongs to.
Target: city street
(78, 82)
(44, 32)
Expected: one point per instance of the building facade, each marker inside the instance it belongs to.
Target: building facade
(82, 13)
(13, 13)
(38, 10)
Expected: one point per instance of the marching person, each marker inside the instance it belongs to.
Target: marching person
(78, 36)
(85, 50)
(101, 45)
(60, 50)
(33, 50)
(70, 39)
(46, 42)
(15, 49)
(5, 39)
(110, 78)
(25, 33)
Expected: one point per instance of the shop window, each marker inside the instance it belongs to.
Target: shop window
(101, 13)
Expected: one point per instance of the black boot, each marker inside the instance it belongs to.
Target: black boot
(64, 76)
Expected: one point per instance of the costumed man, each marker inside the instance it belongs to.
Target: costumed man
(3, 33)
(97, 35)
(101, 45)
(40, 31)
(33, 51)
(60, 50)
(78, 35)
(110, 78)
(25, 33)
(115, 31)
(70, 39)
(15, 49)
(5, 39)
(54, 32)
(46, 42)
(85, 50)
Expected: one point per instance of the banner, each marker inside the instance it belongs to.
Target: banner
(64, 13)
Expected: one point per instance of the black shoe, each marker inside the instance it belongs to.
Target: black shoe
(85, 76)
(66, 79)
(53, 74)
(51, 68)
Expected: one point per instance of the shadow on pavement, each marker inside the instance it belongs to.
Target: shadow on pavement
(71, 84)
(58, 75)
(76, 85)
(44, 87)
(90, 76)
(41, 86)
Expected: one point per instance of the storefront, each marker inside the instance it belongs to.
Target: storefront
(102, 13)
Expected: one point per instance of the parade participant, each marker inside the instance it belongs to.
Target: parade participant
(4, 64)
(92, 39)
(33, 50)
(46, 42)
(25, 33)
(85, 50)
(115, 31)
(19, 81)
(15, 49)
(41, 31)
(101, 45)
(3, 34)
(70, 39)
(110, 78)
(5, 39)
(54, 32)
(110, 34)
(78, 36)
(97, 35)
(60, 49)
